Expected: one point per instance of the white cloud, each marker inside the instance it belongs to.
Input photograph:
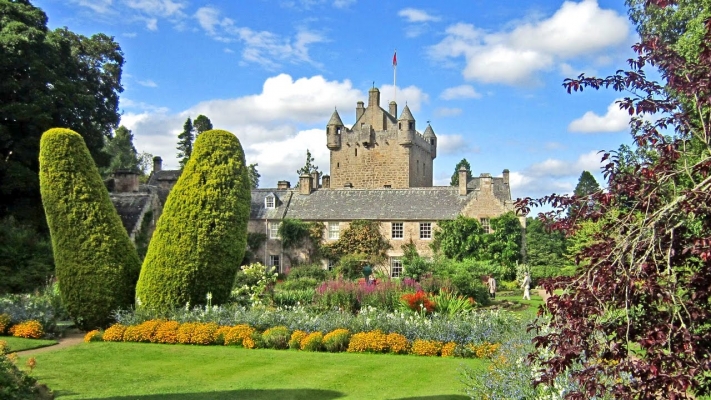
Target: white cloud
(228, 50)
(460, 92)
(275, 126)
(130, 35)
(161, 8)
(454, 144)
(615, 120)
(261, 47)
(413, 96)
(148, 12)
(447, 112)
(415, 15)
(148, 83)
(98, 6)
(343, 3)
(554, 146)
(515, 57)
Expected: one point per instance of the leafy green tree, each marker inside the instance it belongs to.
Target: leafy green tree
(544, 248)
(185, 142)
(49, 78)
(97, 265)
(586, 185)
(202, 124)
(201, 237)
(503, 244)
(459, 238)
(414, 265)
(145, 165)
(121, 150)
(455, 176)
(26, 262)
(253, 175)
(361, 237)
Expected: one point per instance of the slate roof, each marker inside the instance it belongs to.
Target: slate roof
(406, 114)
(501, 190)
(335, 119)
(129, 207)
(163, 175)
(258, 208)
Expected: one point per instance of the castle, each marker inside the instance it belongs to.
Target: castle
(381, 170)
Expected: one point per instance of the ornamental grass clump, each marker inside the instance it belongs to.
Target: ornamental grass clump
(426, 347)
(276, 338)
(201, 236)
(31, 329)
(114, 333)
(295, 341)
(312, 342)
(372, 342)
(337, 340)
(397, 343)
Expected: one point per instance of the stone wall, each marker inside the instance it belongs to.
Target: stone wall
(385, 163)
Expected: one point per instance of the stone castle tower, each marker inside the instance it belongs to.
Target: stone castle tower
(380, 150)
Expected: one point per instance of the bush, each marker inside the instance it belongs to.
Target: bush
(448, 349)
(240, 335)
(300, 283)
(397, 343)
(426, 347)
(201, 237)
(31, 329)
(312, 342)
(308, 271)
(373, 342)
(27, 258)
(204, 333)
(185, 332)
(44, 307)
(296, 338)
(350, 266)
(17, 385)
(276, 338)
(4, 323)
(96, 263)
(93, 336)
(114, 333)
(337, 340)
(167, 332)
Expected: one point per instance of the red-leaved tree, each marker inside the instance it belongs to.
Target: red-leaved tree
(635, 320)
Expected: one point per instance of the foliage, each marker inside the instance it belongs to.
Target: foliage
(459, 238)
(301, 283)
(353, 296)
(649, 320)
(336, 340)
(260, 279)
(185, 142)
(312, 342)
(503, 244)
(450, 303)
(293, 297)
(465, 277)
(586, 185)
(308, 167)
(97, 265)
(31, 329)
(93, 336)
(202, 124)
(292, 232)
(254, 242)
(16, 384)
(413, 265)
(295, 340)
(201, 237)
(455, 176)
(253, 175)
(312, 271)
(361, 237)
(276, 338)
(418, 302)
(26, 261)
(544, 247)
(50, 78)
(120, 149)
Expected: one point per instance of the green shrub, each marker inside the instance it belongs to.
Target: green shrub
(96, 263)
(17, 385)
(293, 297)
(276, 338)
(201, 237)
(27, 258)
(337, 340)
(298, 284)
(313, 271)
(351, 266)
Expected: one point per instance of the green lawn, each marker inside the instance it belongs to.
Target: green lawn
(152, 371)
(19, 344)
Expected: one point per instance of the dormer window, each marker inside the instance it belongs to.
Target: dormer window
(270, 201)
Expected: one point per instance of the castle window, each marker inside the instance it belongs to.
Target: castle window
(486, 225)
(425, 230)
(399, 125)
(387, 186)
(270, 202)
(331, 265)
(356, 152)
(395, 267)
(432, 141)
(334, 230)
(338, 165)
(275, 261)
(410, 125)
(274, 230)
(338, 130)
(396, 230)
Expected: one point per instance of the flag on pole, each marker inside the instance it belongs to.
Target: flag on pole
(395, 59)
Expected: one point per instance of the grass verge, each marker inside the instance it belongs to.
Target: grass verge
(20, 344)
(154, 371)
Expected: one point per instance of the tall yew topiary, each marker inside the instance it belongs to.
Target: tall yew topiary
(96, 263)
(201, 236)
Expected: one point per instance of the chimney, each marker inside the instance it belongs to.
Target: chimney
(305, 184)
(360, 110)
(374, 97)
(485, 183)
(125, 181)
(462, 181)
(326, 182)
(283, 185)
(157, 163)
(314, 179)
(506, 177)
(393, 109)
(348, 185)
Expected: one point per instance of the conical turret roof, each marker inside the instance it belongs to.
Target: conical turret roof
(406, 114)
(429, 132)
(335, 119)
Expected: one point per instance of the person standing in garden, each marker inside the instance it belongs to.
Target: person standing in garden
(526, 286)
(492, 287)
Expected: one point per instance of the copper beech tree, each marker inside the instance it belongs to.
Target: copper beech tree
(635, 320)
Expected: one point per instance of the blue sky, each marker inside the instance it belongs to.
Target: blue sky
(486, 73)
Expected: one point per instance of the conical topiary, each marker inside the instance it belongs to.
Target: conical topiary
(201, 237)
(96, 264)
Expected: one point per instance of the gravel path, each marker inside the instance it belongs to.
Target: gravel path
(70, 339)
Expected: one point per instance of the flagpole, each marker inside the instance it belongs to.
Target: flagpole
(395, 77)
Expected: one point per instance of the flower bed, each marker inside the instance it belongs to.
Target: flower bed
(243, 335)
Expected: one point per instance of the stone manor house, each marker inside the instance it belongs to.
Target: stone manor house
(381, 169)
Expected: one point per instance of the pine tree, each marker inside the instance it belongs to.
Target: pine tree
(309, 167)
(253, 175)
(586, 185)
(202, 124)
(185, 142)
(455, 176)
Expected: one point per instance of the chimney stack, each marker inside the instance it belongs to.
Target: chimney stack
(125, 181)
(360, 110)
(506, 177)
(283, 185)
(393, 109)
(157, 163)
(305, 184)
(326, 182)
(462, 181)
(314, 179)
(485, 183)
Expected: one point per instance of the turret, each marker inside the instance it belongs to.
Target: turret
(431, 138)
(406, 127)
(334, 130)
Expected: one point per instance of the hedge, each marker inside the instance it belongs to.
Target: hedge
(201, 237)
(96, 263)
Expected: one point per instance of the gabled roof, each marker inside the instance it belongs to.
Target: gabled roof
(129, 207)
(501, 190)
(258, 208)
(164, 175)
